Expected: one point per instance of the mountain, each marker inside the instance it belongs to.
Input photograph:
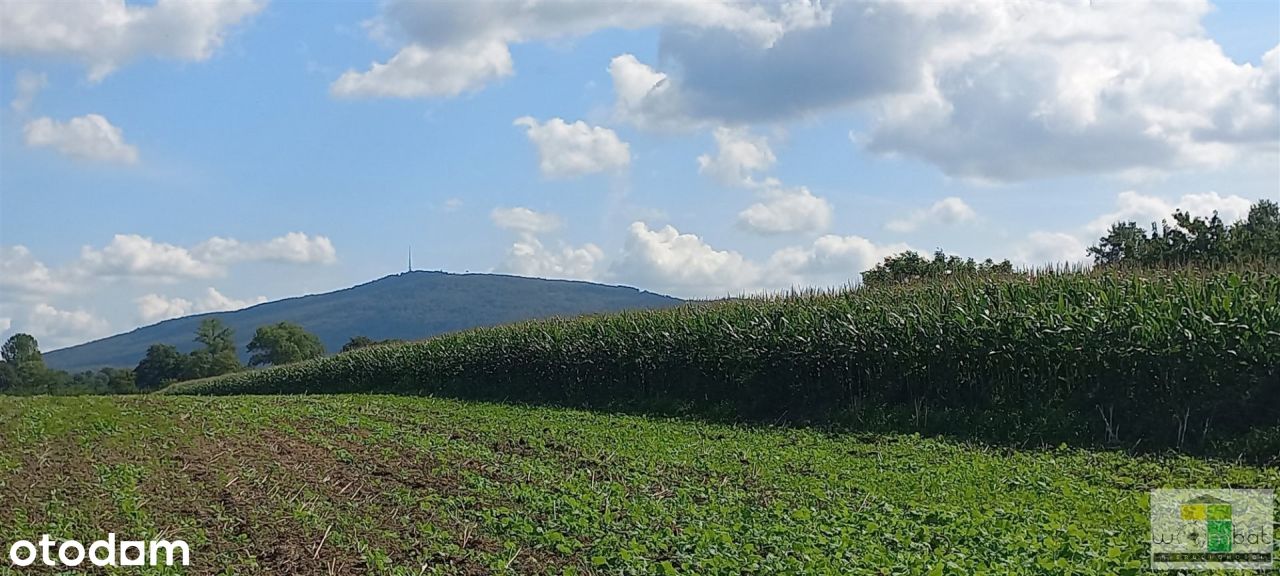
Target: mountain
(409, 306)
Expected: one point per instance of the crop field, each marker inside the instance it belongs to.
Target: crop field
(1182, 359)
(362, 484)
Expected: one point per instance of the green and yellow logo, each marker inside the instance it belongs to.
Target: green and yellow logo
(1216, 515)
(1196, 529)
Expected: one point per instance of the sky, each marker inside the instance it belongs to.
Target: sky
(166, 158)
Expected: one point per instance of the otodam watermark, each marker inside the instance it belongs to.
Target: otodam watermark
(49, 551)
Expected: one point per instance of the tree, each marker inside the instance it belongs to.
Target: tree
(909, 266)
(22, 353)
(162, 365)
(1193, 240)
(283, 343)
(21, 349)
(218, 356)
(119, 380)
(358, 342)
(1258, 237)
(215, 336)
(1125, 241)
(9, 379)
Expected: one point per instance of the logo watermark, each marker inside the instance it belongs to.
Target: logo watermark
(48, 551)
(1212, 529)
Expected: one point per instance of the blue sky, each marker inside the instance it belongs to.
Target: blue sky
(161, 159)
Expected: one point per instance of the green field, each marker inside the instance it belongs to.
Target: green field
(354, 484)
(1185, 359)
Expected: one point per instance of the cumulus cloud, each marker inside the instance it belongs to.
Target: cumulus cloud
(294, 247)
(524, 220)
(998, 91)
(682, 264)
(106, 34)
(644, 97)
(529, 257)
(27, 85)
(452, 47)
(154, 307)
(846, 54)
(134, 256)
(986, 91)
(739, 156)
(137, 257)
(786, 211)
(1143, 209)
(88, 137)
(1047, 248)
(945, 212)
(566, 150)
(417, 72)
(55, 328)
(1056, 88)
(830, 260)
(22, 275)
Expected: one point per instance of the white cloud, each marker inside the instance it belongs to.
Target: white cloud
(830, 260)
(1144, 209)
(529, 257)
(417, 72)
(945, 212)
(88, 137)
(739, 155)
(986, 91)
(137, 257)
(452, 47)
(22, 275)
(154, 307)
(5, 323)
(134, 256)
(843, 54)
(27, 85)
(294, 247)
(1052, 88)
(567, 150)
(106, 34)
(452, 205)
(55, 328)
(785, 211)
(1044, 248)
(645, 97)
(524, 220)
(667, 261)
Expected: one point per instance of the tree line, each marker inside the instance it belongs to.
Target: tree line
(23, 370)
(1187, 241)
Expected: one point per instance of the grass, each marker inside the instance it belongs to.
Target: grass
(360, 484)
(1185, 359)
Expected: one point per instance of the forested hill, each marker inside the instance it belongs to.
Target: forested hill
(408, 306)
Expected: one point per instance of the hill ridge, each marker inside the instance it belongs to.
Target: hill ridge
(406, 305)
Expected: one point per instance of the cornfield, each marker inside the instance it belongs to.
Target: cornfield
(1166, 359)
